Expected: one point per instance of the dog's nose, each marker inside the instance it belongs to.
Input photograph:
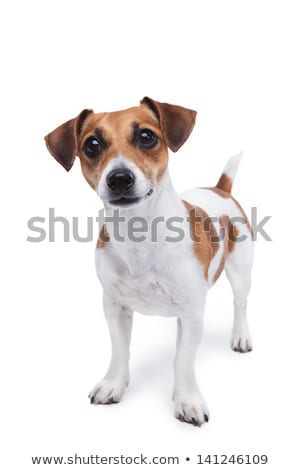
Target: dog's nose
(120, 180)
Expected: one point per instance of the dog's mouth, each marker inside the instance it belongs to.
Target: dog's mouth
(127, 200)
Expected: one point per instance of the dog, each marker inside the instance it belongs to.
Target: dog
(124, 158)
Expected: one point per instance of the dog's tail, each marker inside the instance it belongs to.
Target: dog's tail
(227, 177)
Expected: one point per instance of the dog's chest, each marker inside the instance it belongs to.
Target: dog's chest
(151, 294)
(150, 281)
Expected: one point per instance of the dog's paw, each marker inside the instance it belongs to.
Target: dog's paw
(191, 409)
(241, 342)
(108, 391)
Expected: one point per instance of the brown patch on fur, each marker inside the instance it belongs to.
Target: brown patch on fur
(117, 129)
(224, 183)
(233, 233)
(243, 215)
(226, 195)
(223, 221)
(204, 234)
(176, 122)
(103, 237)
(219, 191)
(62, 142)
(172, 124)
(230, 235)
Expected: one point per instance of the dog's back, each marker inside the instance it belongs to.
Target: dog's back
(224, 224)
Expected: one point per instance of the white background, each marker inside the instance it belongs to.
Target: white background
(237, 64)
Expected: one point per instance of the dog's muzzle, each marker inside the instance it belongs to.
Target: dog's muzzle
(121, 183)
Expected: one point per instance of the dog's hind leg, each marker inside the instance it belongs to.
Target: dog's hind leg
(238, 270)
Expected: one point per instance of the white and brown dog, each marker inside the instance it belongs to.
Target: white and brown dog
(124, 158)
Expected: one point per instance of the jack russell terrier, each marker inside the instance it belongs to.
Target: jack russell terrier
(124, 158)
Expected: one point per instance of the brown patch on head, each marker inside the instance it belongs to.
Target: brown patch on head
(204, 235)
(176, 122)
(171, 124)
(117, 130)
(103, 238)
(62, 143)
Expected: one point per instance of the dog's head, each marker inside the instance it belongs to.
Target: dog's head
(123, 154)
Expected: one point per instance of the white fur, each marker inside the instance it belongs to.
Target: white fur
(165, 278)
(232, 165)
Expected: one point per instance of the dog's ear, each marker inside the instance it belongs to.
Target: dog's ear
(176, 122)
(62, 142)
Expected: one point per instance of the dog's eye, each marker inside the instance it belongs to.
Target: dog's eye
(146, 138)
(92, 147)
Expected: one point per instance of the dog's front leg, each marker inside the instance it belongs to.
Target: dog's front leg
(111, 388)
(189, 404)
